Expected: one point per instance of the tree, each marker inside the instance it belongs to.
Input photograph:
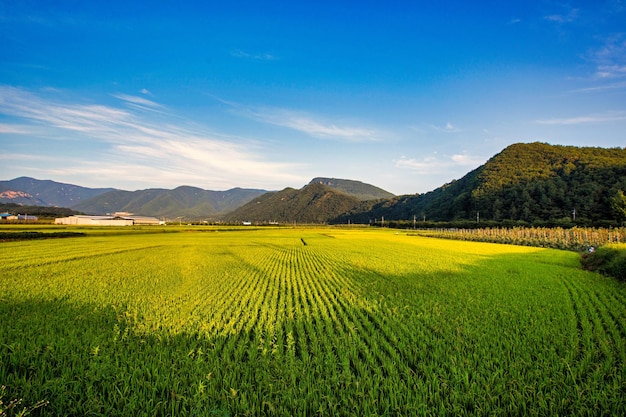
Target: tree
(618, 204)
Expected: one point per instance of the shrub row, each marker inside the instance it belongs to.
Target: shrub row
(9, 236)
(608, 260)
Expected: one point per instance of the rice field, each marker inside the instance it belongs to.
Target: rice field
(364, 322)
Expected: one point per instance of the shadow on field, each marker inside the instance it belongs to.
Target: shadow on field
(86, 360)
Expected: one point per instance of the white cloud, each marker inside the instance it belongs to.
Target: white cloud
(568, 17)
(438, 165)
(595, 118)
(611, 71)
(447, 128)
(22, 157)
(309, 124)
(610, 58)
(238, 53)
(599, 88)
(138, 101)
(155, 152)
(15, 129)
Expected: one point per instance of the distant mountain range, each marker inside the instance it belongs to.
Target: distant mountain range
(188, 202)
(533, 183)
(184, 201)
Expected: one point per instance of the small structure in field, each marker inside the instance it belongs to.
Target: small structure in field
(114, 220)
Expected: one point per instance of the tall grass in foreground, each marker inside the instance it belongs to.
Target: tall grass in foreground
(576, 238)
(307, 322)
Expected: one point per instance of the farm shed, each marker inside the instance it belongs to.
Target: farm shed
(107, 220)
(27, 217)
(93, 221)
(23, 217)
(143, 220)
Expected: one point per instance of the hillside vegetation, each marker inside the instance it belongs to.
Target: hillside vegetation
(609, 260)
(527, 183)
(315, 203)
(357, 189)
(42, 212)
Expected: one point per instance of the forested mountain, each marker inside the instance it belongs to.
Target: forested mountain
(358, 189)
(315, 203)
(185, 201)
(33, 192)
(529, 183)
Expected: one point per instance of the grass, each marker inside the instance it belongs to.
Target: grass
(305, 322)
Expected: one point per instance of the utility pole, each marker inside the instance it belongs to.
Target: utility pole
(574, 214)
(414, 222)
(478, 217)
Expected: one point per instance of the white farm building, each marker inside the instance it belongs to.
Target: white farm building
(115, 220)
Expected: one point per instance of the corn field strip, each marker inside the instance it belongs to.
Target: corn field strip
(576, 238)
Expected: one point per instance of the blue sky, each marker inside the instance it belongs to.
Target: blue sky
(403, 95)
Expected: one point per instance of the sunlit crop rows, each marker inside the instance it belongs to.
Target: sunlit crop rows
(307, 322)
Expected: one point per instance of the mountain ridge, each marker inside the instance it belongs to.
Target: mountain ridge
(183, 201)
(314, 203)
(358, 189)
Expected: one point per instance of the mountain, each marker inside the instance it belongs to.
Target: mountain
(314, 203)
(33, 192)
(526, 183)
(357, 189)
(184, 201)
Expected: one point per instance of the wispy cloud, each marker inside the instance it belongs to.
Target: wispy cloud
(141, 102)
(172, 148)
(569, 16)
(601, 88)
(594, 118)
(449, 128)
(15, 129)
(428, 127)
(238, 53)
(309, 124)
(436, 164)
(610, 58)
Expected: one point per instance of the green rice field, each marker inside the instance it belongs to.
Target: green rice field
(304, 321)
